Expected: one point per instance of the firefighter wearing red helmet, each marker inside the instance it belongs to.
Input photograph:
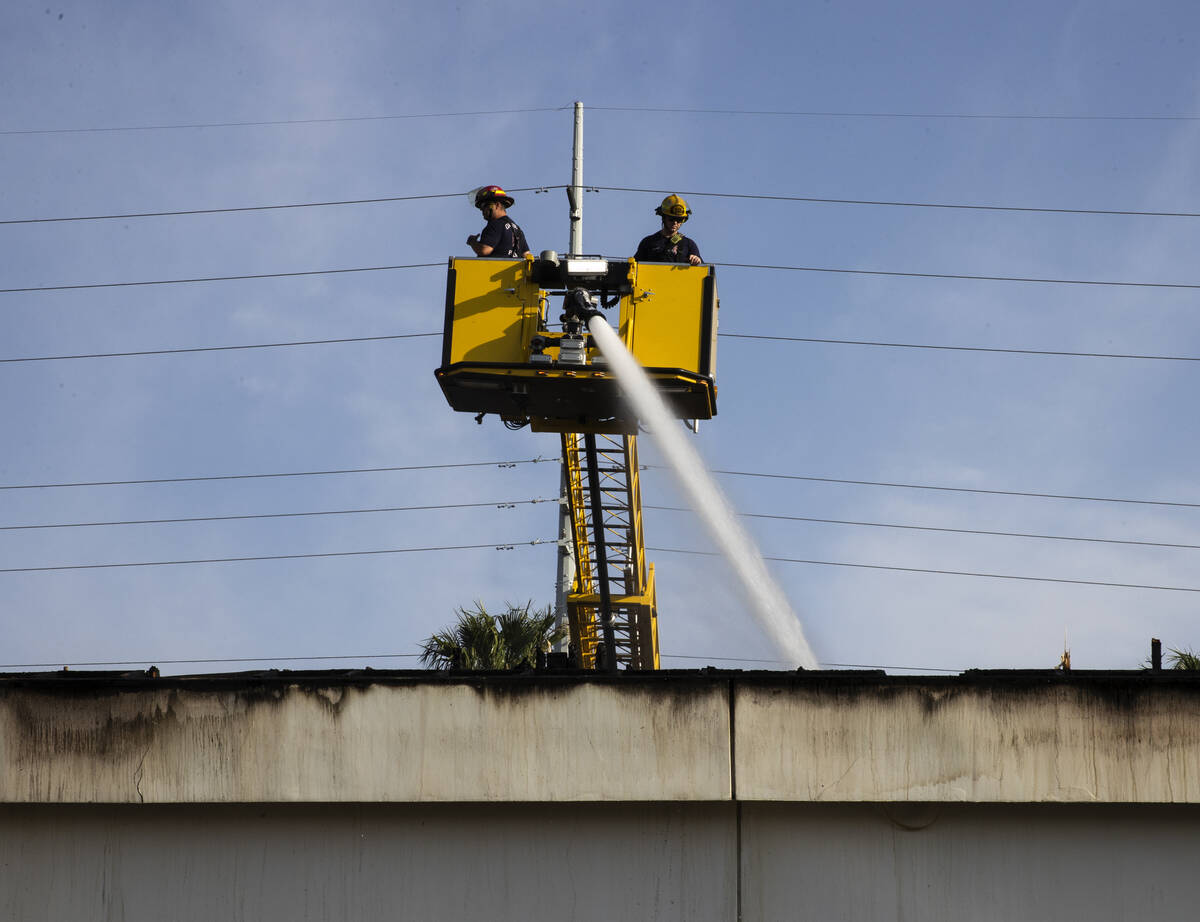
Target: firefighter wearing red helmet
(668, 245)
(500, 237)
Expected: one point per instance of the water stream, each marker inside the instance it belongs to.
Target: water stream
(766, 599)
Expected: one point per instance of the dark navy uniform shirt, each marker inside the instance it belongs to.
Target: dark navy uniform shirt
(659, 249)
(505, 238)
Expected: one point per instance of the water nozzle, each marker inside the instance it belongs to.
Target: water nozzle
(580, 305)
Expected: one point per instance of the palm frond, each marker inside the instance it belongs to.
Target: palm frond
(524, 632)
(1184, 659)
(481, 640)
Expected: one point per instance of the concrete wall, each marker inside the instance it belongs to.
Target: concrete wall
(367, 863)
(774, 737)
(324, 740)
(598, 862)
(698, 796)
(1011, 741)
(967, 862)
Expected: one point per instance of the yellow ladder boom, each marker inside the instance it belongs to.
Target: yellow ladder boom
(605, 502)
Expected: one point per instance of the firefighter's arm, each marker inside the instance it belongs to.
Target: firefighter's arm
(480, 249)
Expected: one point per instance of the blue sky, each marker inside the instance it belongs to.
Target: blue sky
(1017, 104)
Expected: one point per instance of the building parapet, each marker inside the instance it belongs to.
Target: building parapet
(674, 736)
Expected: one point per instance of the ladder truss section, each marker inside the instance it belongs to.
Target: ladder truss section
(612, 601)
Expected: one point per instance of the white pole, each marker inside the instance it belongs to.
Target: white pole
(575, 196)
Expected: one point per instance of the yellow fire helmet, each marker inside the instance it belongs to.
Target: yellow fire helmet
(674, 207)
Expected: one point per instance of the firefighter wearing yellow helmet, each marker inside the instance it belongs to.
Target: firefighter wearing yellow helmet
(668, 245)
(501, 236)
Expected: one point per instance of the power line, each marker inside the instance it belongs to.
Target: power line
(888, 345)
(372, 656)
(200, 211)
(746, 196)
(918, 486)
(359, 470)
(879, 272)
(503, 504)
(903, 115)
(955, 531)
(230, 659)
(793, 339)
(898, 204)
(875, 566)
(973, 278)
(955, 116)
(277, 122)
(219, 278)
(309, 342)
(508, 504)
(508, 546)
(744, 659)
(502, 546)
(907, 668)
(555, 460)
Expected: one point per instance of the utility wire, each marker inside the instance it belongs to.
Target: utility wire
(946, 275)
(902, 115)
(503, 504)
(230, 659)
(309, 342)
(359, 470)
(879, 272)
(510, 504)
(219, 278)
(508, 546)
(908, 668)
(276, 122)
(746, 196)
(791, 339)
(364, 656)
(897, 204)
(502, 546)
(918, 486)
(875, 566)
(738, 659)
(534, 109)
(1052, 352)
(556, 460)
(199, 211)
(954, 531)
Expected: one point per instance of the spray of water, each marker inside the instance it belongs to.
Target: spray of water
(766, 599)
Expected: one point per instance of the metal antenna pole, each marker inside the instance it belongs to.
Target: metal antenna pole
(566, 535)
(575, 190)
